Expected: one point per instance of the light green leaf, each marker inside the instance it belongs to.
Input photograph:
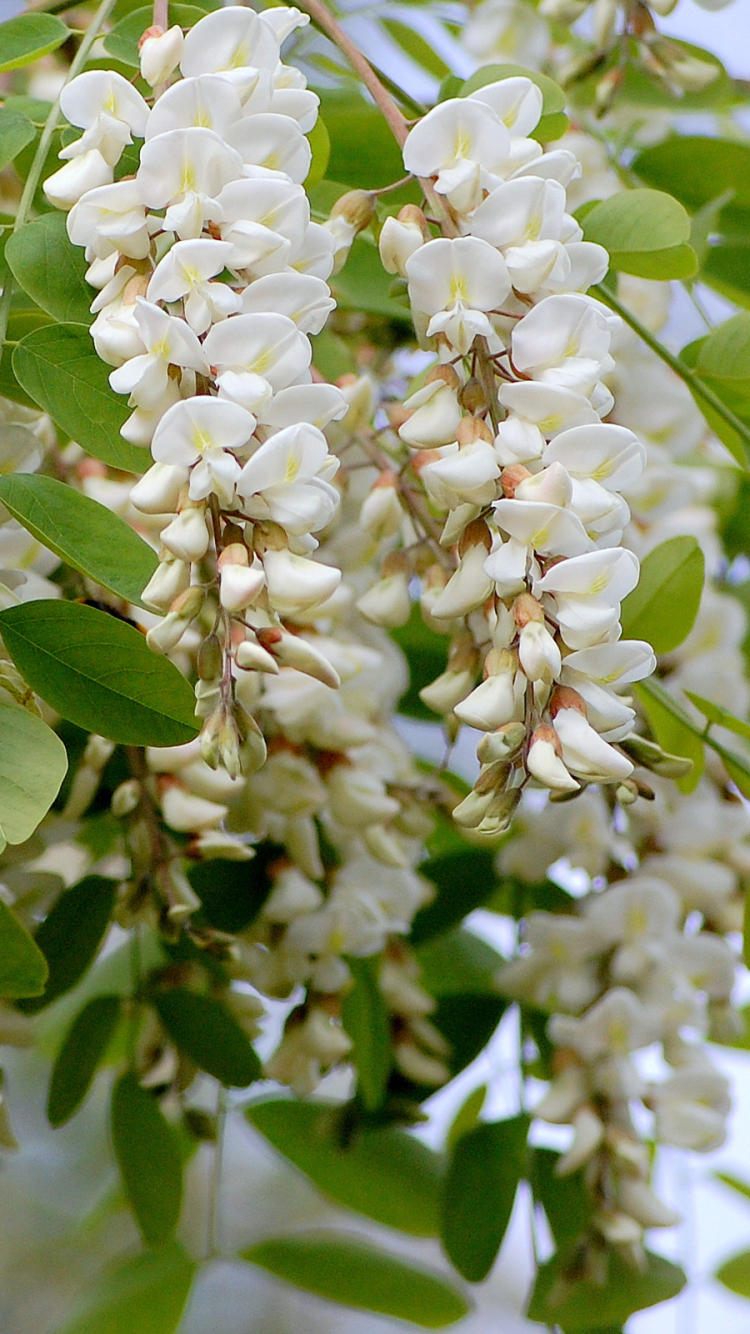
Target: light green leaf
(364, 285)
(145, 1295)
(28, 37)
(16, 131)
(382, 1173)
(83, 533)
(415, 46)
(364, 153)
(355, 1273)
(70, 936)
(724, 355)
(697, 169)
(734, 1183)
(320, 143)
(673, 730)
(716, 713)
(122, 41)
(203, 1028)
(480, 1187)
(366, 1021)
(59, 369)
(98, 672)
(149, 1159)
(663, 607)
(33, 763)
(582, 1304)
(735, 1274)
(646, 233)
(23, 967)
(84, 1046)
(50, 268)
(467, 1116)
(735, 394)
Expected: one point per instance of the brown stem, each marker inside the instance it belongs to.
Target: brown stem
(161, 14)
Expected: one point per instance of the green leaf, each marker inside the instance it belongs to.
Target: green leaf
(735, 1274)
(122, 41)
(29, 37)
(553, 122)
(480, 1187)
(467, 1116)
(233, 893)
(33, 763)
(149, 1159)
(98, 672)
(646, 233)
(320, 143)
(209, 1034)
(145, 1295)
(459, 969)
(23, 967)
(734, 1183)
(59, 369)
(70, 935)
(20, 323)
(663, 607)
(578, 1303)
(733, 394)
(16, 131)
(365, 1018)
(697, 170)
(673, 730)
(355, 1273)
(426, 653)
(463, 880)
(83, 533)
(382, 1172)
(364, 285)
(415, 46)
(83, 1048)
(727, 269)
(724, 355)
(565, 1200)
(364, 153)
(716, 713)
(50, 268)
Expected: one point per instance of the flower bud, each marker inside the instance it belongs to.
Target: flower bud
(158, 490)
(349, 216)
(207, 697)
(502, 744)
(170, 578)
(126, 797)
(251, 740)
(165, 636)
(434, 417)
(292, 651)
(470, 812)
(252, 658)
(160, 53)
(447, 690)
(381, 514)
(184, 812)
(400, 237)
(545, 764)
(296, 583)
(66, 186)
(538, 653)
(387, 602)
(239, 584)
(467, 589)
(187, 536)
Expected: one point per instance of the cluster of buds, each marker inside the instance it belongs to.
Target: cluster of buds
(210, 279)
(507, 447)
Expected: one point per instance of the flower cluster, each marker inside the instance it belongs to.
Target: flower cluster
(210, 277)
(509, 448)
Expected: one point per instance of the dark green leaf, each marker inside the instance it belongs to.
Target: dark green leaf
(645, 231)
(463, 880)
(565, 1200)
(459, 969)
(209, 1034)
(355, 1273)
(697, 170)
(81, 532)
(59, 369)
(353, 123)
(23, 967)
(580, 1304)
(663, 607)
(480, 1187)
(47, 265)
(149, 1159)
(20, 323)
(70, 935)
(365, 1018)
(85, 1043)
(16, 130)
(467, 1116)
(33, 763)
(145, 1295)
(364, 285)
(28, 37)
(122, 41)
(382, 1173)
(727, 269)
(98, 672)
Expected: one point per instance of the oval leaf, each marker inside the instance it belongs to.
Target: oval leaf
(33, 763)
(209, 1034)
(83, 533)
(70, 935)
(145, 1295)
(355, 1273)
(29, 37)
(382, 1173)
(585, 1304)
(365, 1018)
(645, 231)
(149, 1159)
(50, 268)
(23, 967)
(484, 1171)
(735, 1273)
(59, 369)
(16, 131)
(98, 672)
(83, 1048)
(664, 605)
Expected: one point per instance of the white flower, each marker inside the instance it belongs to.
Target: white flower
(301, 297)
(235, 43)
(184, 272)
(397, 242)
(255, 355)
(168, 342)
(287, 480)
(563, 341)
(200, 434)
(296, 584)
(691, 1107)
(586, 753)
(435, 414)
(273, 142)
(550, 408)
(108, 108)
(160, 53)
(184, 171)
(547, 528)
(456, 282)
(158, 490)
(468, 473)
(517, 101)
(464, 144)
(65, 187)
(110, 219)
(616, 1025)
(610, 455)
(187, 535)
(587, 593)
(207, 101)
(641, 916)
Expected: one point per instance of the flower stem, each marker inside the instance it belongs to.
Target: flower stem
(697, 386)
(40, 157)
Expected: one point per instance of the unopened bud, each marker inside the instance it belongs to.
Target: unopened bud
(471, 429)
(652, 757)
(292, 651)
(502, 744)
(189, 604)
(160, 53)
(210, 658)
(400, 237)
(126, 797)
(170, 578)
(252, 658)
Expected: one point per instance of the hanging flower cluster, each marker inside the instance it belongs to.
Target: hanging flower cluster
(211, 276)
(509, 448)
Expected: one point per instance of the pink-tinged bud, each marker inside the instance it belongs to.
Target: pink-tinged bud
(511, 478)
(295, 583)
(357, 207)
(467, 589)
(434, 414)
(292, 651)
(252, 658)
(187, 536)
(66, 186)
(160, 53)
(158, 490)
(170, 578)
(473, 428)
(189, 603)
(387, 602)
(381, 514)
(538, 653)
(239, 584)
(545, 764)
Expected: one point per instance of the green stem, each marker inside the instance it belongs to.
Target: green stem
(693, 381)
(40, 157)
